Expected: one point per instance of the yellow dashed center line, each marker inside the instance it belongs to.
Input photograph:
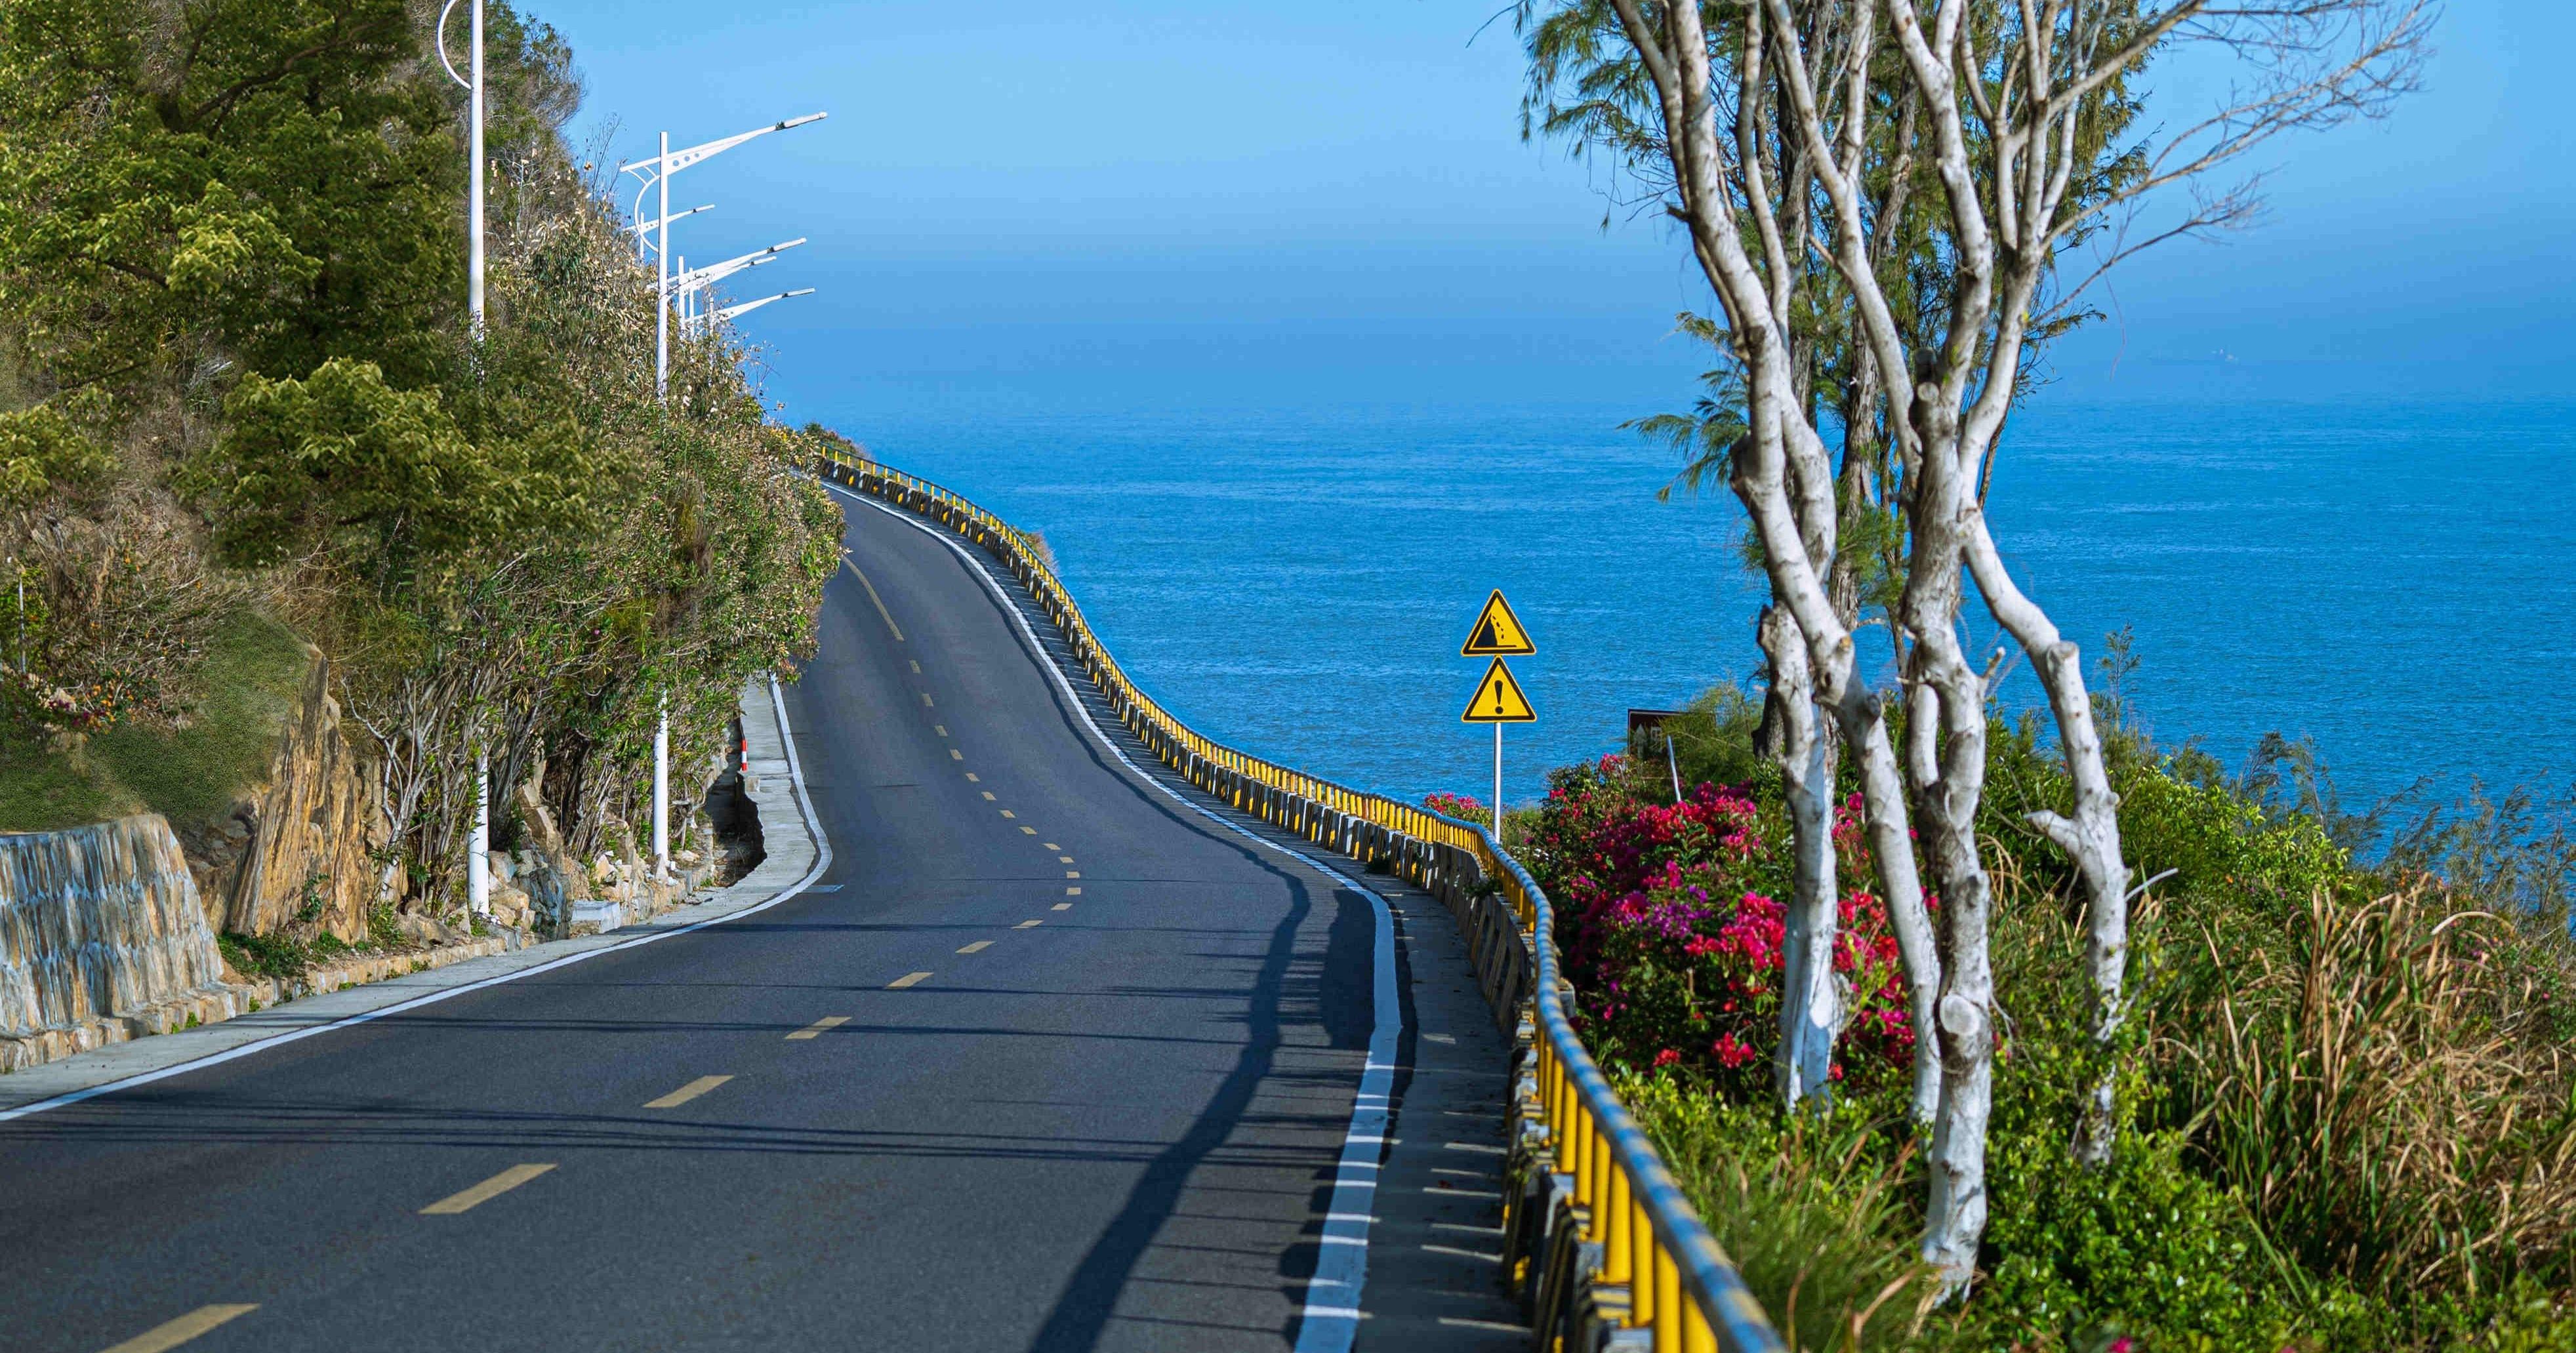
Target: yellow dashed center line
(971, 777)
(484, 1192)
(1061, 906)
(686, 1092)
(925, 701)
(815, 1029)
(988, 796)
(916, 667)
(1064, 859)
(1073, 873)
(1053, 846)
(977, 947)
(1073, 892)
(940, 728)
(906, 980)
(956, 755)
(882, 612)
(183, 1329)
(1025, 925)
(1008, 813)
(1029, 831)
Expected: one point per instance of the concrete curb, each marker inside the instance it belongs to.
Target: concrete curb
(797, 855)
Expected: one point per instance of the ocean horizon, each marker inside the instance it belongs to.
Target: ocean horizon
(2388, 579)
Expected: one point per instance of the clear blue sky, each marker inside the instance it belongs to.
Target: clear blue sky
(1017, 205)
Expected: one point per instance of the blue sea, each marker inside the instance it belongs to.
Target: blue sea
(2396, 582)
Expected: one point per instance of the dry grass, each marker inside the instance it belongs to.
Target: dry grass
(2385, 1088)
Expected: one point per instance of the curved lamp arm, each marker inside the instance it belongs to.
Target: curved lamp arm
(461, 81)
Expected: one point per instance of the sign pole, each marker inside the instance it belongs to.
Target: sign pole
(1498, 784)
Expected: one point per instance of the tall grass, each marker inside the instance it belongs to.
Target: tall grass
(2377, 1088)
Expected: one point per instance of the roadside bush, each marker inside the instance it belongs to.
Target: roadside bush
(1669, 919)
(120, 606)
(1711, 742)
(1460, 806)
(1815, 1210)
(280, 956)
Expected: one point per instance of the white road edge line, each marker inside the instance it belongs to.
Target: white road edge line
(822, 861)
(1329, 1323)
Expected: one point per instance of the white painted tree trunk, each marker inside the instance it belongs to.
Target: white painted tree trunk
(1811, 1000)
(1891, 843)
(2091, 837)
(1949, 771)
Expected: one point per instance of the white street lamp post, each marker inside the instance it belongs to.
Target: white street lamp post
(478, 859)
(475, 172)
(662, 791)
(662, 362)
(657, 173)
(692, 283)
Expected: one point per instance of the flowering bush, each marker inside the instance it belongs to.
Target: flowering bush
(1464, 807)
(1668, 918)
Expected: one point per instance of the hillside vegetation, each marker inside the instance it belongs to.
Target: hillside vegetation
(240, 411)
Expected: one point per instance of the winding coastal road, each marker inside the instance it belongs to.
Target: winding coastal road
(1055, 1055)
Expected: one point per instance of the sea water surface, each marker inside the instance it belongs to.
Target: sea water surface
(2396, 581)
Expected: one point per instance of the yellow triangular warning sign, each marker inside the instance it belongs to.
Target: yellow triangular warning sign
(1497, 632)
(1498, 699)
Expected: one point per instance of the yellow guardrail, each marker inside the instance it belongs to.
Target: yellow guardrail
(1600, 1238)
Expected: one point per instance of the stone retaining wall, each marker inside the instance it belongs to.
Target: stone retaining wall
(102, 937)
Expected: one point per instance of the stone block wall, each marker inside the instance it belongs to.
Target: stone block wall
(102, 937)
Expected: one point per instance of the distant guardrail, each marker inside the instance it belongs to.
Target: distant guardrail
(1599, 1240)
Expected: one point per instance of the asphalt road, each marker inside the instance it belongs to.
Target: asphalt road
(1055, 1057)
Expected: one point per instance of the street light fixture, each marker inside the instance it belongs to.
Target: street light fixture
(693, 297)
(732, 311)
(640, 227)
(692, 281)
(656, 174)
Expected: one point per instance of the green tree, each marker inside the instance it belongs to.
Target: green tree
(266, 183)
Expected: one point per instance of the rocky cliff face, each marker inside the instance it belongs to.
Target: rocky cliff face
(101, 937)
(306, 835)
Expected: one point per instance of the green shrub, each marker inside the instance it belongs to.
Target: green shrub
(1817, 1211)
(2143, 1247)
(279, 956)
(1711, 743)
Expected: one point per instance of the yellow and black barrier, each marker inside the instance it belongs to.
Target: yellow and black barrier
(1604, 1248)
